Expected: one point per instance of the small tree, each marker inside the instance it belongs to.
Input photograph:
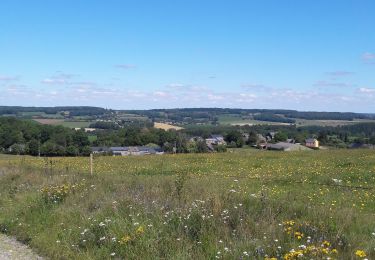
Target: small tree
(280, 137)
(253, 138)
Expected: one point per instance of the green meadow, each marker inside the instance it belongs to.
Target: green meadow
(243, 204)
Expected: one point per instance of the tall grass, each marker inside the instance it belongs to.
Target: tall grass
(240, 205)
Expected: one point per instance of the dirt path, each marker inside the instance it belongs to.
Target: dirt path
(11, 249)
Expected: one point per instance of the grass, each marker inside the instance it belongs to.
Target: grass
(246, 204)
(76, 124)
(304, 122)
(237, 120)
(70, 124)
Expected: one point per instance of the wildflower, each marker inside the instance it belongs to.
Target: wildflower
(298, 235)
(113, 254)
(125, 239)
(360, 253)
(140, 230)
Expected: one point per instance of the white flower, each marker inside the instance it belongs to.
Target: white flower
(113, 254)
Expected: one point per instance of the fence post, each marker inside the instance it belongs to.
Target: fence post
(91, 162)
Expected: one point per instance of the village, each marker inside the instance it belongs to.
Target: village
(211, 144)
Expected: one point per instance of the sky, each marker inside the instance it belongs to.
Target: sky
(311, 55)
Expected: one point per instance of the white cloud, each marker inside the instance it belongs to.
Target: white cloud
(367, 90)
(8, 78)
(126, 66)
(324, 83)
(368, 57)
(59, 79)
(340, 73)
(255, 87)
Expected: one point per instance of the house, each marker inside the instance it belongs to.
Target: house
(270, 136)
(287, 147)
(216, 140)
(87, 130)
(120, 151)
(127, 150)
(312, 143)
(261, 138)
(100, 150)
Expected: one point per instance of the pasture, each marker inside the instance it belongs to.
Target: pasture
(243, 204)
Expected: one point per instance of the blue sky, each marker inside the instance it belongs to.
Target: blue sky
(305, 55)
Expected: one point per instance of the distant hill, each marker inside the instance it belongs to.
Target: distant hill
(71, 110)
(187, 116)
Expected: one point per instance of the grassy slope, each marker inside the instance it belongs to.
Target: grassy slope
(192, 206)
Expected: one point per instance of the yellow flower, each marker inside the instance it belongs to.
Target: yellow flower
(298, 235)
(360, 253)
(125, 239)
(140, 230)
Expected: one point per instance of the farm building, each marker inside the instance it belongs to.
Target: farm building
(216, 140)
(312, 143)
(287, 147)
(127, 150)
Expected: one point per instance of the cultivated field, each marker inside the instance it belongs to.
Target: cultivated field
(167, 127)
(235, 205)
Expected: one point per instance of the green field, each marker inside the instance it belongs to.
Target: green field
(304, 122)
(244, 204)
(76, 124)
(236, 120)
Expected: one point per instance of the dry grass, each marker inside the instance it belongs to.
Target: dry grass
(167, 126)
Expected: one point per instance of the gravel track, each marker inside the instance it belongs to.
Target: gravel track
(11, 249)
